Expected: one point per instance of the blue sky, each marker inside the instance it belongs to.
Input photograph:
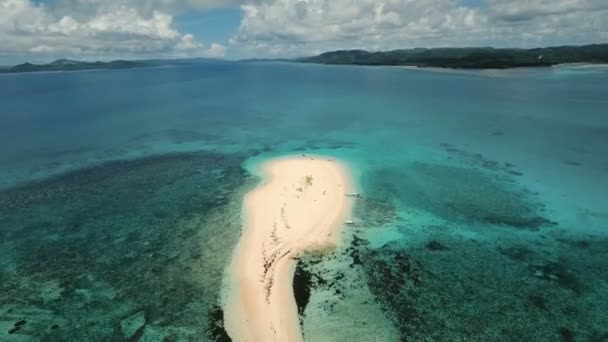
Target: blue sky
(217, 25)
(38, 31)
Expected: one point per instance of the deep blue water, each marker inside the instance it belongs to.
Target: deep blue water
(484, 217)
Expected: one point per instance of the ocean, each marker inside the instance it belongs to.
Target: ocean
(483, 216)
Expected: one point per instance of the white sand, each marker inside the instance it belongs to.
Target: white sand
(285, 217)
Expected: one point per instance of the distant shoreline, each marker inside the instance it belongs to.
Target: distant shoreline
(74, 65)
(474, 58)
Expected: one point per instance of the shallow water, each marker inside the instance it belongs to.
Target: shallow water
(484, 214)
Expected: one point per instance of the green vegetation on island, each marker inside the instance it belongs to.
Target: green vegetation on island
(72, 65)
(468, 58)
(68, 64)
(458, 58)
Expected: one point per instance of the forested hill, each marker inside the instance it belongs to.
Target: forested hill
(70, 65)
(67, 64)
(468, 58)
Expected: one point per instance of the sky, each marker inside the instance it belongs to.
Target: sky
(43, 30)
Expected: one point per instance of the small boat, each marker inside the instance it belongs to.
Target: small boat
(354, 194)
(349, 222)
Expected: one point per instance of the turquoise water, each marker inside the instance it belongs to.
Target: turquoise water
(484, 216)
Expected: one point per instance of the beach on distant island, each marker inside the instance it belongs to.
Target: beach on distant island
(300, 207)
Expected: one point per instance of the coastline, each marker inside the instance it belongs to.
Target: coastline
(287, 215)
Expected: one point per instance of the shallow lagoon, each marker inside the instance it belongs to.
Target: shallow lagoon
(484, 213)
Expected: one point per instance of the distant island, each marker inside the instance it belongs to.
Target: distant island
(456, 58)
(68, 64)
(73, 65)
(467, 58)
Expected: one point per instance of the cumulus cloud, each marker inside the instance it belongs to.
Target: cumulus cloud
(287, 26)
(293, 27)
(537, 9)
(88, 7)
(300, 27)
(216, 50)
(556, 22)
(117, 30)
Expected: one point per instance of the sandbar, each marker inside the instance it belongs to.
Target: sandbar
(300, 207)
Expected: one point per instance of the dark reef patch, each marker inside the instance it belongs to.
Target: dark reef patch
(490, 284)
(354, 250)
(518, 253)
(459, 194)
(472, 292)
(581, 244)
(509, 282)
(325, 144)
(514, 283)
(560, 272)
(394, 278)
(595, 244)
(538, 301)
(515, 173)
(177, 136)
(216, 331)
(599, 336)
(101, 241)
(479, 160)
(435, 245)
(566, 335)
(302, 282)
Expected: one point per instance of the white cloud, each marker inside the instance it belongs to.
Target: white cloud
(127, 21)
(534, 9)
(289, 26)
(42, 49)
(83, 8)
(135, 29)
(188, 43)
(111, 31)
(65, 26)
(216, 50)
(304, 27)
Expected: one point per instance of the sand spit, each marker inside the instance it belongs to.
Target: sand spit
(300, 207)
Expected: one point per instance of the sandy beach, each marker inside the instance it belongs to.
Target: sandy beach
(300, 207)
